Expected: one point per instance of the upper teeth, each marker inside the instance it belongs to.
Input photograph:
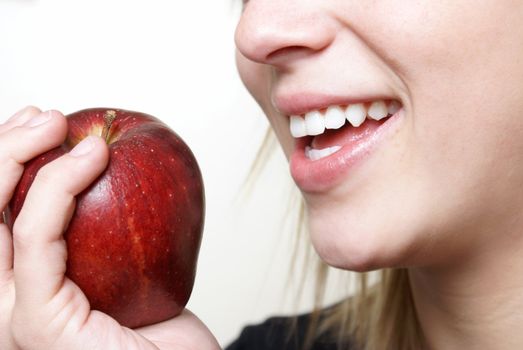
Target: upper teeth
(315, 123)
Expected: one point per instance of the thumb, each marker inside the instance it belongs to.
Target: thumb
(40, 252)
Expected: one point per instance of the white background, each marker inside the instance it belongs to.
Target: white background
(174, 60)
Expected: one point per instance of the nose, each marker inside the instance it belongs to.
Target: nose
(277, 32)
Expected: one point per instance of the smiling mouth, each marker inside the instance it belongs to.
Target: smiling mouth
(328, 130)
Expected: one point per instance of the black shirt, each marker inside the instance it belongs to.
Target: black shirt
(277, 333)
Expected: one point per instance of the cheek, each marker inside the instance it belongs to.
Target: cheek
(257, 78)
(464, 70)
(467, 98)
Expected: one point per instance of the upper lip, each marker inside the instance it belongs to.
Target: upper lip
(301, 103)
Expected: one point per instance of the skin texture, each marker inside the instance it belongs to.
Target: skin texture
(56, 315)
(442, 196)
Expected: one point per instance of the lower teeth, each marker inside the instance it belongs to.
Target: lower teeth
(315, 154)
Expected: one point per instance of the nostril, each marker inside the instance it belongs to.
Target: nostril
(289, 53)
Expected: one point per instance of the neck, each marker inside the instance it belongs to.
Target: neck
(477, 303)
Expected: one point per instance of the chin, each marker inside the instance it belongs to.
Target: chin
(358, 243)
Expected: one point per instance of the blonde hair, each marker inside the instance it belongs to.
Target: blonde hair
(379, 315)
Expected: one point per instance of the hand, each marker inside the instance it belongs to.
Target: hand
(40, 308)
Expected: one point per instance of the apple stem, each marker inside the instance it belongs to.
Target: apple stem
(109, 118)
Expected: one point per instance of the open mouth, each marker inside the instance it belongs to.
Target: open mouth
(330, 129)
(332, 140)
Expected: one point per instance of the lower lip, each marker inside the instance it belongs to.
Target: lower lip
(315, 176)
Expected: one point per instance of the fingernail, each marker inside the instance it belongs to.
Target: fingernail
(83, 147)
(39, 119)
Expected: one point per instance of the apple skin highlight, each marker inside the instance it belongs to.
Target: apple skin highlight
(134, 238)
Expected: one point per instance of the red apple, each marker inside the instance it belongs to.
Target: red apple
(134, 238)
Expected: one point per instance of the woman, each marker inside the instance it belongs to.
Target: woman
(423, 177)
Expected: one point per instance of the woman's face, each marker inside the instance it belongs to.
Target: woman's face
(440, 177)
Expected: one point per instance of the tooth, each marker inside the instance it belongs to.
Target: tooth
(314, 123)
(356, 114)
(315, 154)
(297, 126)
(334, 149)
(394, 106)
(377, 110)
(334, 117)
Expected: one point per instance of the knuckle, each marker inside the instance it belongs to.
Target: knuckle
(55, 179)
(22, 234)
(16, 146)
(46, 174)
(32, 110)
(50, 175)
